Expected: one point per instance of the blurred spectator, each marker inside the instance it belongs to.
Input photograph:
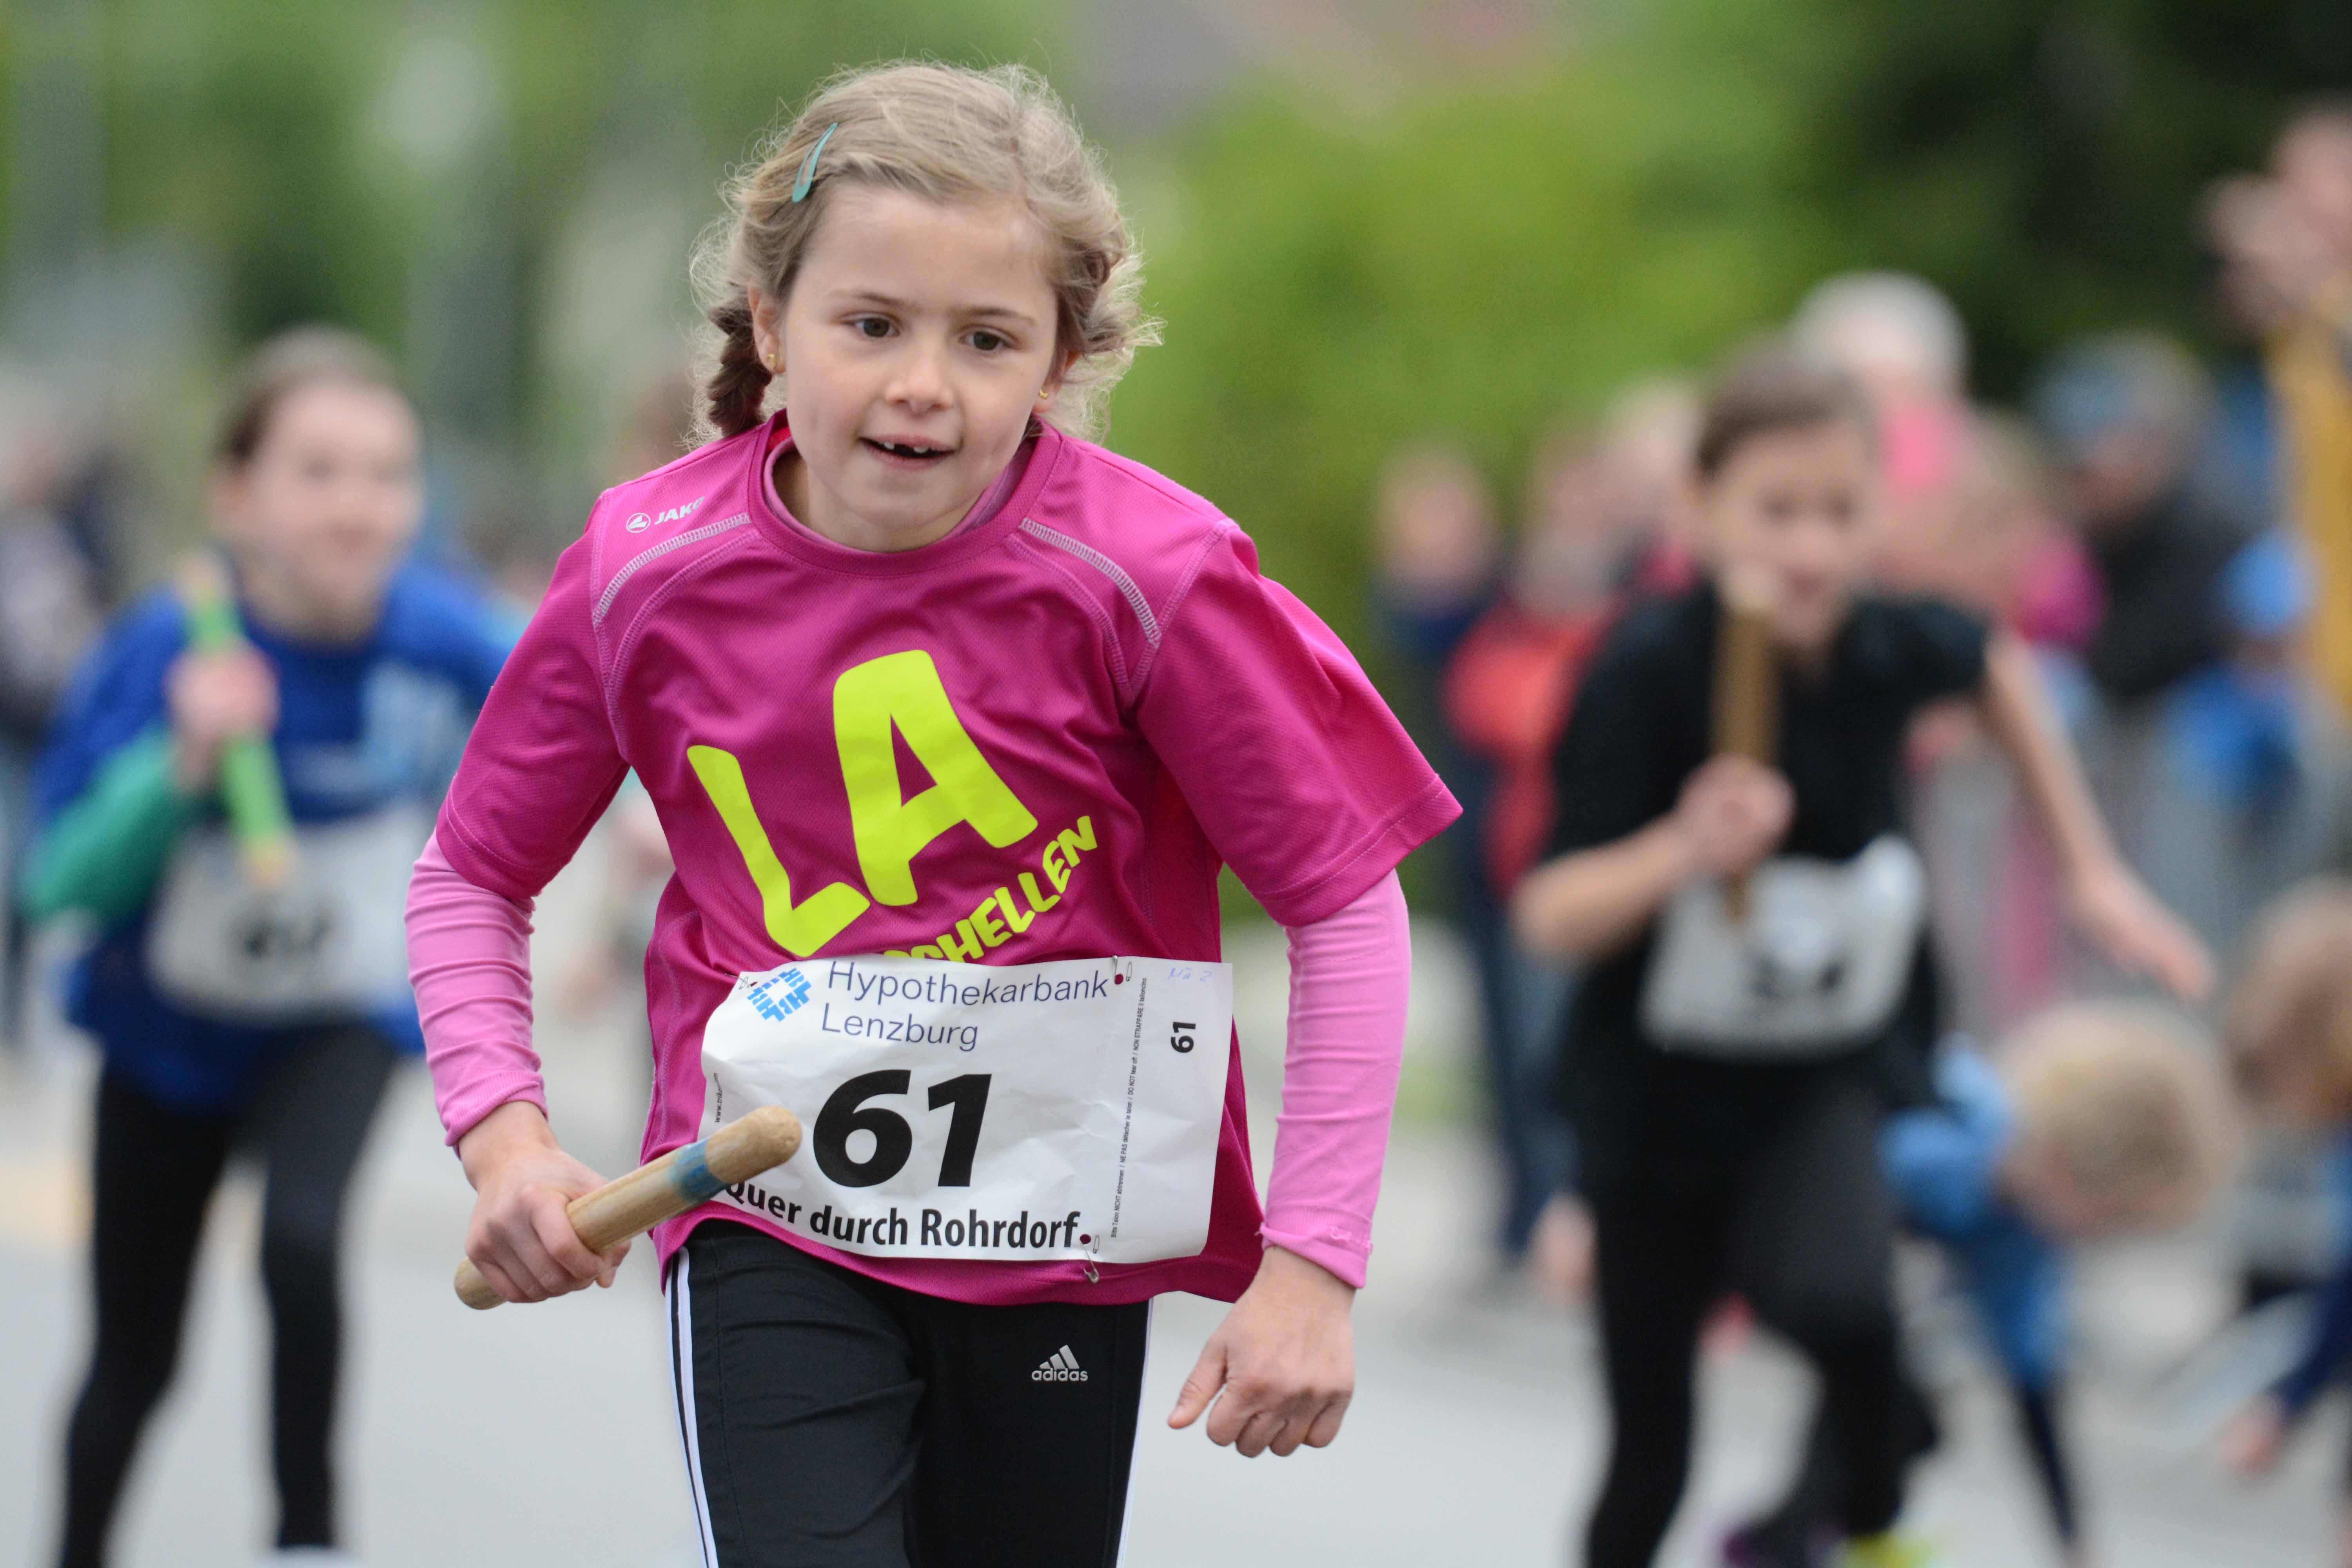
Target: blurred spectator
(2003, 551)
(2285, 244)
(1906, 345)
(1903, 341)
(2223, 773)
(1999, 545)
(2129, 416)
(2291, 1027)
(1435, 548)
(1601, 525)
(2226, 776)
(2253, 794)
(636, 863)
(2088, 1120)
(56, 584)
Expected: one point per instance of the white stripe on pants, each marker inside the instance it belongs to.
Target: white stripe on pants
(681, 1368)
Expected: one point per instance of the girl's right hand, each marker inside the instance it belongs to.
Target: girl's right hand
(520, 1237)
(214, 698)
(1733, 813)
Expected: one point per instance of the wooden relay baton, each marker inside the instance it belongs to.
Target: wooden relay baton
(665, 1188)
(251, 789)
(1747, 688)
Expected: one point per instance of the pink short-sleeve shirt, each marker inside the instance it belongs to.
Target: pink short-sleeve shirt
(803, 716)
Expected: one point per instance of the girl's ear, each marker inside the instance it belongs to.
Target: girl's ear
(767, 329)
(1063, 362)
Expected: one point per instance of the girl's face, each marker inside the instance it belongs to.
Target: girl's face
(917, 339)
(1797, 508)
(321, 514)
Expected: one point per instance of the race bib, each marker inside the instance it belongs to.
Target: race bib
(1040, 1111)
(1820, 962)
(329, 944)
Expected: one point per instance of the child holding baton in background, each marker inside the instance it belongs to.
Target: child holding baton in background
(2088, 1119)
(950, 718)
(1747, 1019)
(249, 985)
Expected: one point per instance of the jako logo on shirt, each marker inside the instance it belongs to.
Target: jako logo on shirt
(774, 1008)
(644, 520)
(1059, 1367)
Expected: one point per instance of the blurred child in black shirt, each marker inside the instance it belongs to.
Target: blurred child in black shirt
(1726, 1069)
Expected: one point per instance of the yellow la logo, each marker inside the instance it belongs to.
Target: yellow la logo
(901, 692)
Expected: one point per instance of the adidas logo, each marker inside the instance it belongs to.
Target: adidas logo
(1059, 1367)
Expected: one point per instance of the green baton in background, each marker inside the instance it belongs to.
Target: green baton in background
(250, 786)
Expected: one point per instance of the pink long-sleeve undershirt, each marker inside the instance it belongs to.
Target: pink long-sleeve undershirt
(470, 957)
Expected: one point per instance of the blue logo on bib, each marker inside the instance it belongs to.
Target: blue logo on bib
(794, 988)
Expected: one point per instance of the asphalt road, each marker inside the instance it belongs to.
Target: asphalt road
(546, 1435)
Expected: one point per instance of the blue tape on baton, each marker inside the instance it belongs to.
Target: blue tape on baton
(692, 1176)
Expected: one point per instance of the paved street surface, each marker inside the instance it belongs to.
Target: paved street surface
(546, 1435)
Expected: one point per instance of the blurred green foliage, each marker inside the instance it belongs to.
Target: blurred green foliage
(299, 146)
(1496, 255)
(1469, 268)
(2043, 162)
(1472, 260)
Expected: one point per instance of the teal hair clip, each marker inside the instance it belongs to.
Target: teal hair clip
(808, 169)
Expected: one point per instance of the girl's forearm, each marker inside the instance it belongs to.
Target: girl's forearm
(2017, 709)
(469, 961)
(1587, 904)
(1351, 977)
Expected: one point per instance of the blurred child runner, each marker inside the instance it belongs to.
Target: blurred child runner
(2091, 1119)
(2291, 1029)
(909, 668)
(1727, 1079)
(236, 1021)
(1601, 529)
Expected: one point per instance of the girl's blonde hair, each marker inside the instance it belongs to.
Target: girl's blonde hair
(2291, 1017)
(2131, 1099)
(947, 133)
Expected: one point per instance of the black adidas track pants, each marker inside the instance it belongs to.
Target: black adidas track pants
(831, 1421)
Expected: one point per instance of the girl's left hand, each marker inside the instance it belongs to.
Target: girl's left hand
(2116, 910)
(1286, 1358)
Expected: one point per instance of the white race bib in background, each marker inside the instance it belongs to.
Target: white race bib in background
(330, 943)
(1819, 963)
(1040, 1111)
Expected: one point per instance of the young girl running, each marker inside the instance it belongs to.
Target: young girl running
(951, 719)
(236, 1020)
(1727, 1072)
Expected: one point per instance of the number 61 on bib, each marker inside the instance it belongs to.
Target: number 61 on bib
(1022, 1112)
